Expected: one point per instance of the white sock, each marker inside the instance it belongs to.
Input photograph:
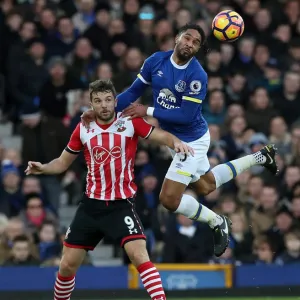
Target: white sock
(194, 210)
(225, 172)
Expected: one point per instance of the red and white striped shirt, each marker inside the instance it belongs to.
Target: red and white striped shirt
(109, 152)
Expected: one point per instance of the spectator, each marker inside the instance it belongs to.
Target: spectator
(65, 39)
(263, 250)
(14, 228)
(262, 217)
(242, 237)
(21, 253)
(186, 241)
(25, 87)
(279, 135)
(35, 213)
(54, 93)
(85, 15)
(292, 245)
(292, 176)
(10, 192)
(234, 139)
(236, 89)
(286, 100)
(260, 111)
(215, 111)
(48, 245)
(131, 65)
(43, 140)
(296, 208)
(14, 156)
(82, 61)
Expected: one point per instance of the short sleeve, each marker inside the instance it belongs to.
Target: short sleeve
(75, 145)
(142, 128)
(146, 71)
(196, 88)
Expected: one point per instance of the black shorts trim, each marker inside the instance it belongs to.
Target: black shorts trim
(132, 238)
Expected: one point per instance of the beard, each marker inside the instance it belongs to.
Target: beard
(183, 55)
(106, 116)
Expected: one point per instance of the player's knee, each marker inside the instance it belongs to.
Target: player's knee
(68, 266)
(207, 188)
(137, 253)
(169, 200)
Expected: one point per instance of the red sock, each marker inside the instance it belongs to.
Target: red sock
(63, 287)
(152, 281)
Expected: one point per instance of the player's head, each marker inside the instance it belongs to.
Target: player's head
(103, 99)
(189, 40)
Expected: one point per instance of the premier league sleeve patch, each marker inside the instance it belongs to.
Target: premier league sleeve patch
(195, 86)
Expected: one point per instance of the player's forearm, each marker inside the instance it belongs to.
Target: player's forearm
(56, 166)
(164, 138)
(130, 95)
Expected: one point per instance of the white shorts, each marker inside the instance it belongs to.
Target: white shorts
(189, 169)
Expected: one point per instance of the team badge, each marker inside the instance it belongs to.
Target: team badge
(180, 86)
(120, 125)
(195, 86)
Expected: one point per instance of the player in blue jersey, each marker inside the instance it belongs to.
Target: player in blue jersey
(179, 85)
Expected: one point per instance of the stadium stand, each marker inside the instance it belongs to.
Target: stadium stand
(50, 50)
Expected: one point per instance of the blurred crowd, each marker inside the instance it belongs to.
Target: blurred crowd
(50, 51)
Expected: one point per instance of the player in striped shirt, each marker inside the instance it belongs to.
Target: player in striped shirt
(107, 207)
(179, 85)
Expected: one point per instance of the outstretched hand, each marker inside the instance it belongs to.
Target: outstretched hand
(87, 117)
(135, 111)
(34, 168)
(183, 148)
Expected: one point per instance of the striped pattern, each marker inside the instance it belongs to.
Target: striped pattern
(151, 281)
(63, 287)
(109, 154)
(191, 99)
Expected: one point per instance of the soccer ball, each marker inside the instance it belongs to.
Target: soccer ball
(228, 25)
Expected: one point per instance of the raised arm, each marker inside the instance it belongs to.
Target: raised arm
(62, 163)
(131, 94)
(147, 131)
(165, 138)
(138, 87)
(56, 166)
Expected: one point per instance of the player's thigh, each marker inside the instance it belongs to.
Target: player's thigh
(71, 260)
(187, 169)
(84, 232)
(137, 251)
(123, 224)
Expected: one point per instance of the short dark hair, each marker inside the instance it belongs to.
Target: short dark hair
(102, 85)
(21, 238)
(31, 196)
(195, 27)
(47, 223)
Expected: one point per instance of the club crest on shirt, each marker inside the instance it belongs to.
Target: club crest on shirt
(195, 86)
(120, 124)
(180, 86)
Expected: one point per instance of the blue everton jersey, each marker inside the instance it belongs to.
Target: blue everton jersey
(175, 87)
